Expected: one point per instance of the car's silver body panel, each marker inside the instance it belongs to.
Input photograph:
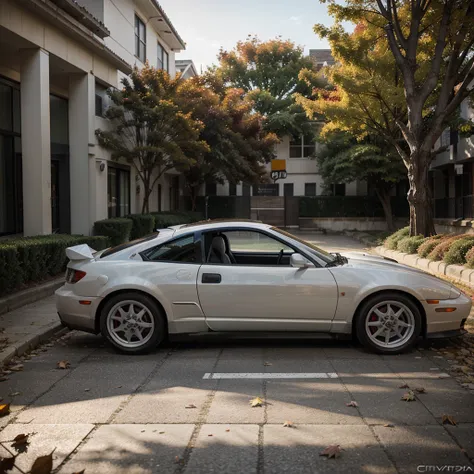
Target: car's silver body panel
(253, 298)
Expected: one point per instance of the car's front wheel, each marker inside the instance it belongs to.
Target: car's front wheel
(132, 322)
(388, 323)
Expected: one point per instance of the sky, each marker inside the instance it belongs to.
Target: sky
(207, 25)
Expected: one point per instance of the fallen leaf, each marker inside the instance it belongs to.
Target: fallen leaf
(4, 409)
(448, 420)
(227, 431)
(86, 389)
(21, 442)
(389, 425)
(409, 396)
(7, 464)
(267, 364)
(79, 472)
(177, 459)
(256, 402)
(333, 451)
(210, 435)
(63, 364)
(420, 390)
(43, 464)
(16, 368)
(288, 424)
(352, 404)
(404, 386)
(15, 394)
(162, 432)
(191, 405)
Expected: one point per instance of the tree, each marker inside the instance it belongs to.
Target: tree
(238, 147)
(269, 72)
(431, 42)
(149, 129)
(343, 160)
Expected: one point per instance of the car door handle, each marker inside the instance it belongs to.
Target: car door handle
(211, 278)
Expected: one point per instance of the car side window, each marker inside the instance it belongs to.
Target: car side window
(183, 249)
(250, 241)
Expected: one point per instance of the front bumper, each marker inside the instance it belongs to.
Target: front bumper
(438, 323)
(72, 313)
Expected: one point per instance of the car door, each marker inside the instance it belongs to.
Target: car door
(261, 295)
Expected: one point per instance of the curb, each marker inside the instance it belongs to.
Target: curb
(30, 295)
(456, 272)
(31, 342)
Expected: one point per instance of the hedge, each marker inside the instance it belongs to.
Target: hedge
(33, 259)
(440, 250)
(429, 244)
(410, 244)
(117, 229)
(163, 220)
(143, 224)
(391, 242)
(456, 255)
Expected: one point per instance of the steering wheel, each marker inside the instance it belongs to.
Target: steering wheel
(280, 256)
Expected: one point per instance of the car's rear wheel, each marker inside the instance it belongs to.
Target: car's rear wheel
(388, 323)
(132, 322)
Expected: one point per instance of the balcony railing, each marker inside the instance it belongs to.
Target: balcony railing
(454, 208)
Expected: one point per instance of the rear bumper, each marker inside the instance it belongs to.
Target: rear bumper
(72, 313)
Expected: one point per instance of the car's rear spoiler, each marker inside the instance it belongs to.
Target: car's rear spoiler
(80, 252)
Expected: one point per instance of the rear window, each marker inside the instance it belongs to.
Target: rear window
(126, 245)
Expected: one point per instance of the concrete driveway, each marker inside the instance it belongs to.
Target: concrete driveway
(185, 408)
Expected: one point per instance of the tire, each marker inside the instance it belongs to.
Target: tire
(119, 324)
(378, 315)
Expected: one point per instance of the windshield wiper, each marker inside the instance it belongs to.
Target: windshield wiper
(338, 260)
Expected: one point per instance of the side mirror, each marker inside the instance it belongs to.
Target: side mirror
(298, 261)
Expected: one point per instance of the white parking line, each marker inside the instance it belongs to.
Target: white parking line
(261, 375)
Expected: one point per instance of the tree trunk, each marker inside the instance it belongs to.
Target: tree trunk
(419, 196)
(384, 196)
(193, 194)
(146, 195)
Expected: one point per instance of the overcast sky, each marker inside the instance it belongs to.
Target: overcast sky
(206, 25)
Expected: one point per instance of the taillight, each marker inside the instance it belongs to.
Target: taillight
(73, 276)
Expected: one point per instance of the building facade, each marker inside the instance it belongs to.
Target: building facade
(57, 59)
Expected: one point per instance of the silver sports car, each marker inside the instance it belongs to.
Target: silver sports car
(248, 277)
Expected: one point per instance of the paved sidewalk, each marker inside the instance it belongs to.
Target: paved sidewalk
(24, 328)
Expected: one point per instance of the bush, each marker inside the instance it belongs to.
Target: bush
(116, 229)
(143, 224)
(440, 250)
(391, 242)
(163, 220)
(410, 244)
(429, 244)
(470, 258)
(456, 255)
(33, 259)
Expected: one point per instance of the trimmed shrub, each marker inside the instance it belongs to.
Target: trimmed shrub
(391, 242)
(456, 255)
(470, 258)
(429, 244)
(117, 229)
(163, 220)
(440, 250)
(33, 259)
(143, 224)
(410, 244)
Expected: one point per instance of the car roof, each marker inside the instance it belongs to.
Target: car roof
(218, 223)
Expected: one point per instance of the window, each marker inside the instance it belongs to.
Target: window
(339, 189)
(288, 189)
(118, 191)
(445, 137)
(245, 189)
(211, 189)
(99, 107)
(251, 241)
(183, 249)
(140, 39)
(159, 197)
(302, 147)
(310, 189)
(232, 189)
(163, 60)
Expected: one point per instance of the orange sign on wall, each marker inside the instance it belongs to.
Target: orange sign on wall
(278, 165)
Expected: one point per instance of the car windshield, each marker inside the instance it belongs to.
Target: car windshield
(327, 257)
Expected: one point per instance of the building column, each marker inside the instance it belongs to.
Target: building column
(81, 152)
(35, 142)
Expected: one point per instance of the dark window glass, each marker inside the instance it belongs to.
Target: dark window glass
(232, 189)
(59, 120)
(159, 197)
(162, 58)
(6, 116)
(339, 189)
(288, 189)
(183, 249)
(245, 189)
(310, 189)
(118, 191)
(140, 39)
(98, 105)
(302, 147)
(166, 61)
(211, 189)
